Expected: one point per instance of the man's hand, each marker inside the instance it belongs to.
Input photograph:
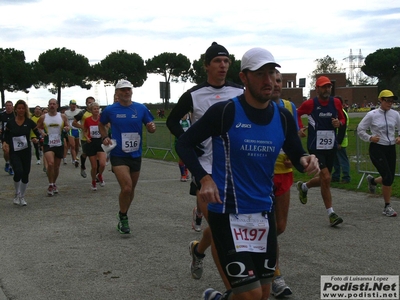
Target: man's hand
(335, 122)
(310, 164)
(107, 141)
(302, 132)
(209, 191)
(287, 163)
(151, 127)
(374, 139)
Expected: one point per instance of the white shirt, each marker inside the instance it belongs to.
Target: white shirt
(380, 123)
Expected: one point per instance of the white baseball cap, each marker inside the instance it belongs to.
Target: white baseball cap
(123, 84)
(255, 58)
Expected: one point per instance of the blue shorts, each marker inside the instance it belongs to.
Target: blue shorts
(74, 133)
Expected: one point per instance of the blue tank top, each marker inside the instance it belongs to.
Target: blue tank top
(321, 133)
(243, 163)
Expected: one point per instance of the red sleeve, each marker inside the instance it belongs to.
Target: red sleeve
(339, 108)
(304, 109)
(86, 123)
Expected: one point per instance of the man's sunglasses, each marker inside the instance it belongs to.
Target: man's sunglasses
(388, 100)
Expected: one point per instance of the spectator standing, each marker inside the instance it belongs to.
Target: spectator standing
(382, 123)
(325, 114)
(341, 164)
(126, 119)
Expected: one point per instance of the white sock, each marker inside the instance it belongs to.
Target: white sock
(304, 187)
(330, 210)
(22, 189)
(17, 186)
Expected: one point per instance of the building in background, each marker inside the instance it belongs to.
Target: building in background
(291, 90)
(360, 96)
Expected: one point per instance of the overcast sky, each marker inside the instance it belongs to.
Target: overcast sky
(296, 32)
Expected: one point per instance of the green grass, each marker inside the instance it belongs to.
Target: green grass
(163, 140)
(351, 152)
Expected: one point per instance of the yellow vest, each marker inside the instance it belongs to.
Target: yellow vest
(279, 166)
(85, 115)
(34, 119)
(345, 141)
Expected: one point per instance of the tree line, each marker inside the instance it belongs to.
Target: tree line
(60, 68)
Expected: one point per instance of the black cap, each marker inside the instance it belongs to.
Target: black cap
(215, 50)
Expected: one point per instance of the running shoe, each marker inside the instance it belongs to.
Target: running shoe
(371, 184)
(334, 219)
(123, 225)
(55, 189)
(83, 173)
(76, 163)
(183, 178)
(196, 222)
(16, 200)
(196, 266)
(23, 202)
(10, 171)
(64, 161)
(389, 212)
(211, 294)
(50, 191)
(279, 287)
(38, 162)
(99, 178)
(6, 167)
(93, 186)
(302, 194)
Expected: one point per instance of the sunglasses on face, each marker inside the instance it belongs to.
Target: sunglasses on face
(388, 100)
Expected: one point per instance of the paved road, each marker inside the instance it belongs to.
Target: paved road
(67, 247)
